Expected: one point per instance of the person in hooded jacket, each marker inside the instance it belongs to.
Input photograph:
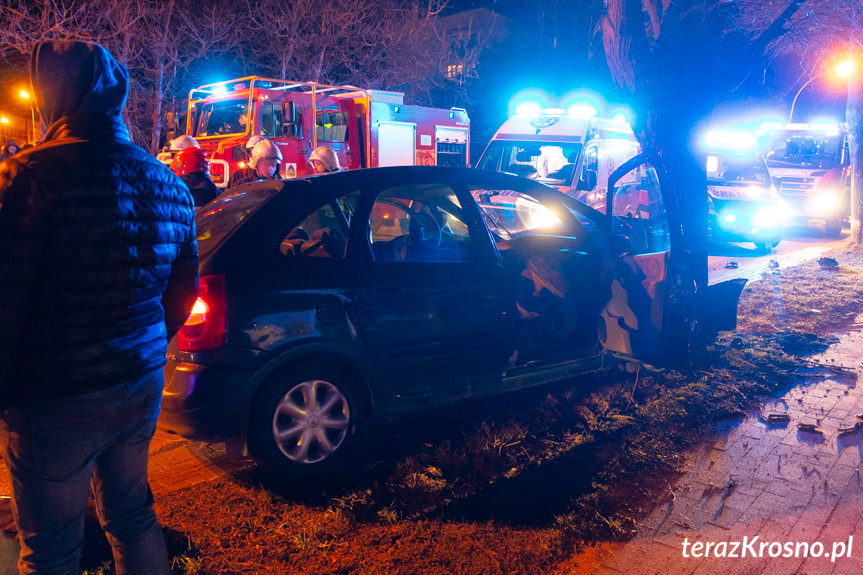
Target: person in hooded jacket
(263, 164)
(10, 148)
(99, 270)
(194, 169)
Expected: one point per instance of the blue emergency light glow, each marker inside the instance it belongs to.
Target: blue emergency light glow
(771, 126)
(528, 110)
(731, 141)
(581, 111)
(219, 90)
(829, 128)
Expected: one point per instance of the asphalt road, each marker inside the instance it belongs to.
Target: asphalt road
(797, 246)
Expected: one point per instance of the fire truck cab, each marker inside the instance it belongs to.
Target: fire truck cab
(809, 165)
(365, 128)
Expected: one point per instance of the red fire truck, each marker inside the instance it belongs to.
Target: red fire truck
(366, 128)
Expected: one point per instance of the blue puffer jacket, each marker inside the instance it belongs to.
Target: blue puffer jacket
(98, 259)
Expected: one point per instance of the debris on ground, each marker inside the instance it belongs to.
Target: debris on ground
(775, 417)
(828, 263)
(810, 427)
(773, 264)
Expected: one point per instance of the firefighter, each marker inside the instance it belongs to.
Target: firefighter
(263, 164)
(10, 149)
(324, 160)
(179, 143)
(192, 167)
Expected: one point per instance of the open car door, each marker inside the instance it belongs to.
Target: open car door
(631, 324)
(656, 313)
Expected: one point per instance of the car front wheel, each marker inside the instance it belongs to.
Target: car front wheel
(306, 423)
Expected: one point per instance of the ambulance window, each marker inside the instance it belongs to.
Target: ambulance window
(331, 126)
(591, 159)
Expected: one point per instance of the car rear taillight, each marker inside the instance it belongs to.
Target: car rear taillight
(205, 327)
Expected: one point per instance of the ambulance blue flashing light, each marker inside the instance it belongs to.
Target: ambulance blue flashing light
(829, 128)
(582, 111)
(771, 126)
(528, 110)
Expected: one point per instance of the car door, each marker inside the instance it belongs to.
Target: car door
(632, 321)
(431, 309)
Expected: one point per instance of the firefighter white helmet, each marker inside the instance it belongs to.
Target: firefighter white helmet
(252, 142)
(183, 142)
(265, 149)
(326, 157)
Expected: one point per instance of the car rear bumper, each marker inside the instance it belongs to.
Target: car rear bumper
(191, 408)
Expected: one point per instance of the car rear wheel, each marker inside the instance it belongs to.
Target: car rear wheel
(306, 423)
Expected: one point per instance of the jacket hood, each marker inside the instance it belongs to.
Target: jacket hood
(74, 80)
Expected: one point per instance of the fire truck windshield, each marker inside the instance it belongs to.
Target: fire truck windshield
(551, 163)
(220, 118)
(805, 150)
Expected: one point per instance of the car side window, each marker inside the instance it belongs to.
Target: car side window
(418, 224)
(508, 213)
(323, 233)
(638, 211)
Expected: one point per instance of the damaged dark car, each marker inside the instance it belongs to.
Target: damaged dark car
(327, 302)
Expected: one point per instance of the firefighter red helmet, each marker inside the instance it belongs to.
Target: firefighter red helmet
(189, 161)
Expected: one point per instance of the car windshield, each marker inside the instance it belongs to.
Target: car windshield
(221, 217)
(727, 169)
(806, 150)
(228, 117)
(551, 163)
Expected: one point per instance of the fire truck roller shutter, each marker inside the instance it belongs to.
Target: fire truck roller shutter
(396, 144)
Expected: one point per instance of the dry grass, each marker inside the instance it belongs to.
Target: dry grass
(517, 484)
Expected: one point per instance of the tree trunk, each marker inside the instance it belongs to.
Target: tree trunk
(854, 119)
(159, 88)
(672, 126)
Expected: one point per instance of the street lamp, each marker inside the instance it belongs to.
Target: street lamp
(3, 121)
(843, 69)
(25, 95)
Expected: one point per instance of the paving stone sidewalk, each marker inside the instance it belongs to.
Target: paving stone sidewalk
(771, 480)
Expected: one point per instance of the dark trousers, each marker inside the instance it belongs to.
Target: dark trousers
(56, 448)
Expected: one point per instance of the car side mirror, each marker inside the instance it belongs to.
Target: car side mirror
(587, 182)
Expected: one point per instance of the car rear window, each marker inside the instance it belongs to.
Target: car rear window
(220, 218)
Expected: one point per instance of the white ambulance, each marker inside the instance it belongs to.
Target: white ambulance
(575, 154)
